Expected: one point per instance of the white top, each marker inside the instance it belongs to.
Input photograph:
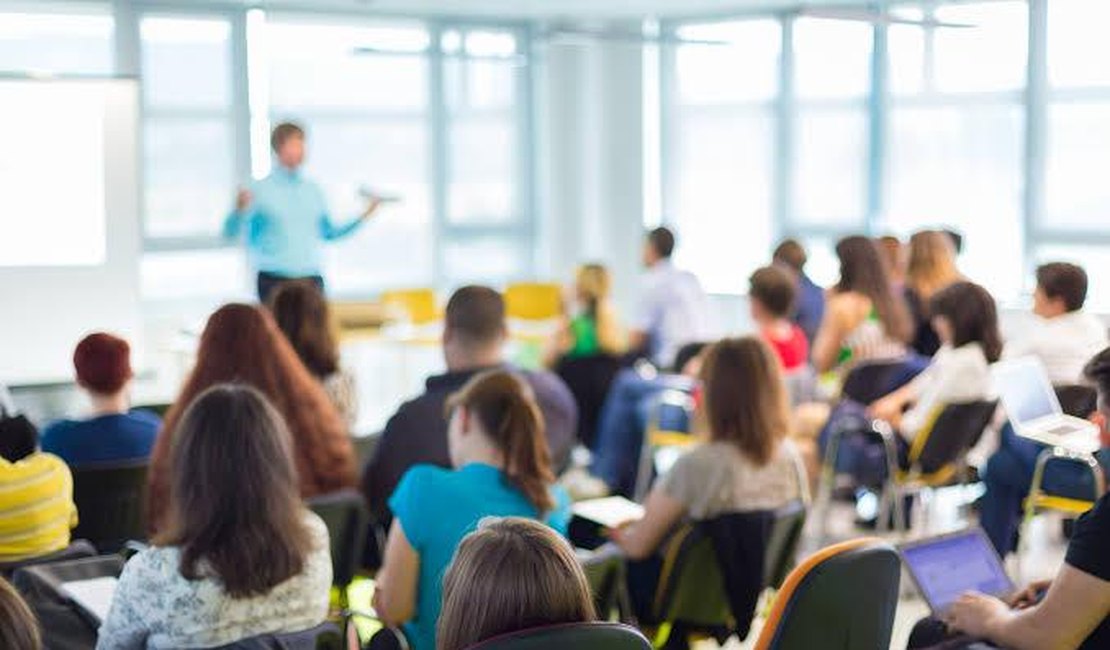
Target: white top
(1063, 344)
(155, 607)
(673, 310)
(955, 376)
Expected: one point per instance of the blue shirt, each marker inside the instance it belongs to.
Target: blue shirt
(284, 224)
(811, 307)
(128, 436)
(436, 508)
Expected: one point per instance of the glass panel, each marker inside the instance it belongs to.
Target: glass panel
(906, 45)
(188, 182)
(493, 44)
(483, 84)
(1076, 192)
(491, 260)
(990, 54)
(61, 43)
(1092, 258)
(220, 274)
(722, 202)
(738, 61)
(832, 58)
(482, 171)
(830, 170)
(962, 167)
(186, 62)
(821, 264)
(1078, 50)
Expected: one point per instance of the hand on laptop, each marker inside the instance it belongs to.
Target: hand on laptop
(1031, 595)
(977, 615)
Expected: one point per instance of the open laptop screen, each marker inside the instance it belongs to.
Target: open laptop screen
(1025, 390)
(946, 567)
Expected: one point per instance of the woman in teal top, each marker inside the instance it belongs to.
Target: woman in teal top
(498, 448)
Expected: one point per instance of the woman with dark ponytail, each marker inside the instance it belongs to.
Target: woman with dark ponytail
(502, 469)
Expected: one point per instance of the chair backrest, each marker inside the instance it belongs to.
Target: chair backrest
(870, 380)
(954, 431)
(417, 305)
(77, 550)
(605, 572)
(347, 518)
(111, 503)
(782, 544)
(842, 598)
(1077, 400)
(326, 636)
(589, 636)
(589, 379)
(533, 301)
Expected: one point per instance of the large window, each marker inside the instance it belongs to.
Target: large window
(56, 38)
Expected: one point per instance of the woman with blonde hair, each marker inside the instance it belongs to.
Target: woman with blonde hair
(931, 267)
(593, 328)
(510, 575)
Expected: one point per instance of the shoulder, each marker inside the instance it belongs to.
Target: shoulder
(145, 417)
(422, 478)
(57, 428)
(317, 529)
(546, 384)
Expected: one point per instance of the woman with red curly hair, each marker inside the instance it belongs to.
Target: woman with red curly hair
(242, 344)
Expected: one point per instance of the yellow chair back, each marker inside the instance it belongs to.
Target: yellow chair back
(418, 305)
(534, 301)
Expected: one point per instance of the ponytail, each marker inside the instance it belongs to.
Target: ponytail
(508, 413)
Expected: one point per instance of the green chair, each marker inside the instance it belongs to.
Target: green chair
(581, 636)
(348, 520)
(606, 573)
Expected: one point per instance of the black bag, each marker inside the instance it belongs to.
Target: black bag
(18, 436)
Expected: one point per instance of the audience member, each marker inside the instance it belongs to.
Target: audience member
(239, 554)
(524, 575)
(1064, 337)
(502, 469)
(1008, 473)
(673, 309)
(19, 630)
(893, 253)
(625, 416)
(772, 293)
(746, 464)
(114, 432)
(302, 314)
(474, 337)
(811, 298)
(932, 267)
(241, 343)
(594, 328)
(36, 506)
(19, 437)
(864, 318)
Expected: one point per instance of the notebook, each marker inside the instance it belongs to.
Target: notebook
(611, 512)
(94, 595)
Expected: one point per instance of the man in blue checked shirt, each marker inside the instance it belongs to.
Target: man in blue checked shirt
(284, 216)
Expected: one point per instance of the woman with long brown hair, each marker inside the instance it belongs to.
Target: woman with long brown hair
(239, 555)
(302, 314)
(864, 317)
(745, 464)
(510, 575)
(502, 469)
(932, 267)
(242, 344)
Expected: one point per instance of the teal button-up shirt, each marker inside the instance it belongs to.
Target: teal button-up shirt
(284, 225)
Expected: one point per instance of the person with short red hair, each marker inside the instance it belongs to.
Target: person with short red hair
(113, 432)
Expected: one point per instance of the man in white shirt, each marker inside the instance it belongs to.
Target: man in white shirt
(673, 310)
(1064, 337)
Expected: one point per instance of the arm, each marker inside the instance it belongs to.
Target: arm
(124, 628)
(1075, 605)
(661, 513)
(395, 595)
(240, 216)
(891, 407)
(331, 232)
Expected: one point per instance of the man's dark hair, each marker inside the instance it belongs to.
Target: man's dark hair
(1097, 371)
(1067, 282)
(476, 314)
(662, 241)
(790, 253)
(283, 132)
(686, 353)
(775, 288)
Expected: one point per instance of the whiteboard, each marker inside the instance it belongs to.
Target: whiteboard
(70, 237)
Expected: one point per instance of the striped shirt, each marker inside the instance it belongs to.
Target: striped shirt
(36, 507)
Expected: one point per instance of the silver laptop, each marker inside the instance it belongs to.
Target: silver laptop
(1034, 410)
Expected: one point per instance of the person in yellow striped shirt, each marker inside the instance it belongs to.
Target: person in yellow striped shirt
(36, 506)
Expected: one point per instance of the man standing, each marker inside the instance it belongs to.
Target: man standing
(284, 216)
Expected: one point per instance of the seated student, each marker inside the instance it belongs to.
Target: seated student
(19, 437)
(811, 298)
(864, 318)
(36, 506)
(241, 343)
(746, 464)
(1008, 473)
(772, 294)
(594, 328)
(672, 310)
(502, 469)
(18, 628)
(522, 572)
(239, 554)
(301, 313)
(114, 432)
(931, 267)
(474, 338)
(625, 415)
(892, 251)
(1064, 337)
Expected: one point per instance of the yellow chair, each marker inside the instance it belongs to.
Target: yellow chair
(534, 301)
(657, 438)
(419, 306)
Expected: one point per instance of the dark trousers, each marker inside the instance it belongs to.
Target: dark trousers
(268, 282)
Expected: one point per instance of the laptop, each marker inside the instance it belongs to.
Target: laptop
(947, 566)
(1034, 410)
